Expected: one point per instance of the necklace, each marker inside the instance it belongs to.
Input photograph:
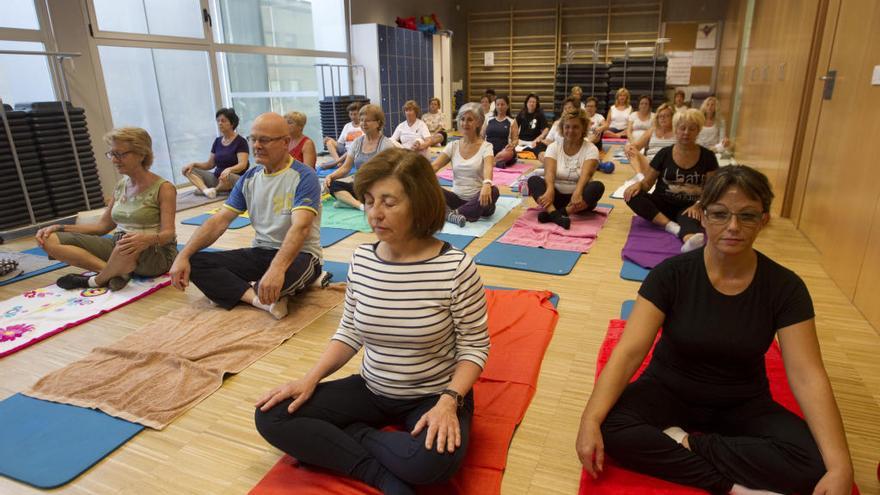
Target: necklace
(226, 142)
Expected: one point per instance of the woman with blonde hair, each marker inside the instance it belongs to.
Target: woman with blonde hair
(660, 136)
(301, 147)
(618, 114)
(142, 212)
(712, 135)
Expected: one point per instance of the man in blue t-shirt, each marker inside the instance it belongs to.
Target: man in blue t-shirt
(283, 199)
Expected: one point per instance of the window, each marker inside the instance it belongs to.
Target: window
(19, 14)
(24, 78)
(155, 17)
(303, 24)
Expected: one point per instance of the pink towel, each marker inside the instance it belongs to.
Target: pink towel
(528, 231)
(500, 176)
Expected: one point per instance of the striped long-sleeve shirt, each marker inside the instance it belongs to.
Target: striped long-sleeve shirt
(416, 321)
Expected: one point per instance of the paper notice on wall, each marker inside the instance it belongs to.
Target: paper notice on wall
(705, 58)
(488, 59)
(706, 35)
(678, 69)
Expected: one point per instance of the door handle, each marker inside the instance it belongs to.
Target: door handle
(829, 79)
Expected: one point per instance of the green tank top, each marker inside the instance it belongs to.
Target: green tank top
(140, 213)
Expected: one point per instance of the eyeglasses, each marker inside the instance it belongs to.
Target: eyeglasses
(721, 216)
(119, 155)
(263, 140)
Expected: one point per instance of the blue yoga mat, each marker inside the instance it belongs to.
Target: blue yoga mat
(539, 260)
(237, 223)
(338, 269)
(332, 235)
(632, 271)
(37, 251)
(457, 241)
(46, 444)
(626, 308)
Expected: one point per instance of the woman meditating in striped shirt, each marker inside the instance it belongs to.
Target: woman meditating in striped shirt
(417, 307)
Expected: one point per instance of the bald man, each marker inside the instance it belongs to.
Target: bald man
(283, 199)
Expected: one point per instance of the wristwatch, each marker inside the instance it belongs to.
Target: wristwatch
(459, 399)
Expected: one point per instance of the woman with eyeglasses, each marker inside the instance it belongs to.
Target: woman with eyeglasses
(142, 212)
(341, 186)
(679, 172)
(702, 414)
(227, 161)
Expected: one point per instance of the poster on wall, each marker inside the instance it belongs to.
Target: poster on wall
(706, 35)
(678, 69)
(488, 59)
(705, 58)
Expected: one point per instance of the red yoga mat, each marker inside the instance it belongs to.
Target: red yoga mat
(521, 324)
(616, 480)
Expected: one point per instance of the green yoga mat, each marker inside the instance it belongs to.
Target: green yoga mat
(343, 217)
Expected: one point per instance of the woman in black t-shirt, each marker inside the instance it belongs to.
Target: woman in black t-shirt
(679, 172)
(533, 126)
(720, 308)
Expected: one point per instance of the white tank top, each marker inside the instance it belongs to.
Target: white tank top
(619, 118)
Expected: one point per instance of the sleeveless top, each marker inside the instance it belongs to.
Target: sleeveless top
(297, 151)
(140, 213)
(656, 144)
(619, 118)
(498, 133)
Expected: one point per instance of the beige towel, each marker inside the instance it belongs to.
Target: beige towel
(160, 371)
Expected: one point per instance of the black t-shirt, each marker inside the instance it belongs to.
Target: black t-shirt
(681, 185)
(711, 350)
(531, 125)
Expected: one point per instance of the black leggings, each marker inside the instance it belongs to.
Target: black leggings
(756, 443)
(338, 428)
(341, 185)
(648, 206)
(593, 192)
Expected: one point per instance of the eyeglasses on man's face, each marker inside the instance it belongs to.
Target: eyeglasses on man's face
(263, 140)
(719, 215)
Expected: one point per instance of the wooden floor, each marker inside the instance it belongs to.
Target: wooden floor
(214, 448)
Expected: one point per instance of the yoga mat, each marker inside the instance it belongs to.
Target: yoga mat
(539, 260)
(33, 262)
(481, 226)
(616, 480)
(41, 313)
(338, 270)
(626, 308)
(528, 231)
(237, 223)
(500, 176)
(189, 199)
(331, 235)
(521, 324)
(632, 271)
(648, 245)
(46, 444)
(343, 217)
(444, 182)
(179, 359)
(457, 241)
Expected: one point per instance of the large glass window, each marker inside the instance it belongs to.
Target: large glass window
(24, 78)
(303, 24)
(156, 17)
(168, 93)
(19, 14)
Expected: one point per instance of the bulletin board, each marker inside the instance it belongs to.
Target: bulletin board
(683, 37)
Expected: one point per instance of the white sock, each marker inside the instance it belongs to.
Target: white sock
(675, 433)
(673, 228)
(211, 192)
(695, 242)
(278, 309)
(257, 304)
(92, 281)
(741, 490)
(361, 207)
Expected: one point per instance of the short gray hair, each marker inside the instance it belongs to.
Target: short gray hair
(474, 109)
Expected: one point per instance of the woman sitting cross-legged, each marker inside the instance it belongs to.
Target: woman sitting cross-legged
(569, 164)
(418, 308)
(372, 120)
(501, 132)
(227, 162)
(142, 212)
(679, 172)
(720, 309)
(473, 195)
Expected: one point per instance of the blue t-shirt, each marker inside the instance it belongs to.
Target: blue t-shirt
(227, 156)
(271, 199)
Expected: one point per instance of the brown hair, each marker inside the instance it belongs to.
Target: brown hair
(427, 205)
(374, 111)
(353, 106)
(750, 181)
(432, 100)
(574, 101)
(138, 139)
(412, 105)
(579, 114)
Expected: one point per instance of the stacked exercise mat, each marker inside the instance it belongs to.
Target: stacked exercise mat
(48, 163)
(334, 113)
(592, 78)
(641, 76)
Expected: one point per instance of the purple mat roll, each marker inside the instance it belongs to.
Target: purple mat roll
(648, 244)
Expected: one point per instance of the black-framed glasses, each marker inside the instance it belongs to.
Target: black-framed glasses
(721, 216)
(119, 155)
(263, 140)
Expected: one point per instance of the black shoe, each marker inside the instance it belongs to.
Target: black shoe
(73, 281)
(545, 217)
(562, 220)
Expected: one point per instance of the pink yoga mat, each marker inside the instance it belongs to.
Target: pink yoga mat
(528, 231)
(500, 176)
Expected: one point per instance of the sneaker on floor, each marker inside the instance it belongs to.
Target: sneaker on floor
(323, 280)
(73, 281)
(695, 242)
(118, 283)
(455, 217)
(278, 309)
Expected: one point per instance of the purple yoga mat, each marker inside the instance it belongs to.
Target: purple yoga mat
(648, 244)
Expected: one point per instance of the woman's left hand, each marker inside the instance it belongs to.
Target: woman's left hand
(442, 424)
(834, 483)
(577, 201)
(485, 195)
(133, 244)
(695, 212)
(224, 174)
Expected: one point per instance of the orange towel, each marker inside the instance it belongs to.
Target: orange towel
(521, 324)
